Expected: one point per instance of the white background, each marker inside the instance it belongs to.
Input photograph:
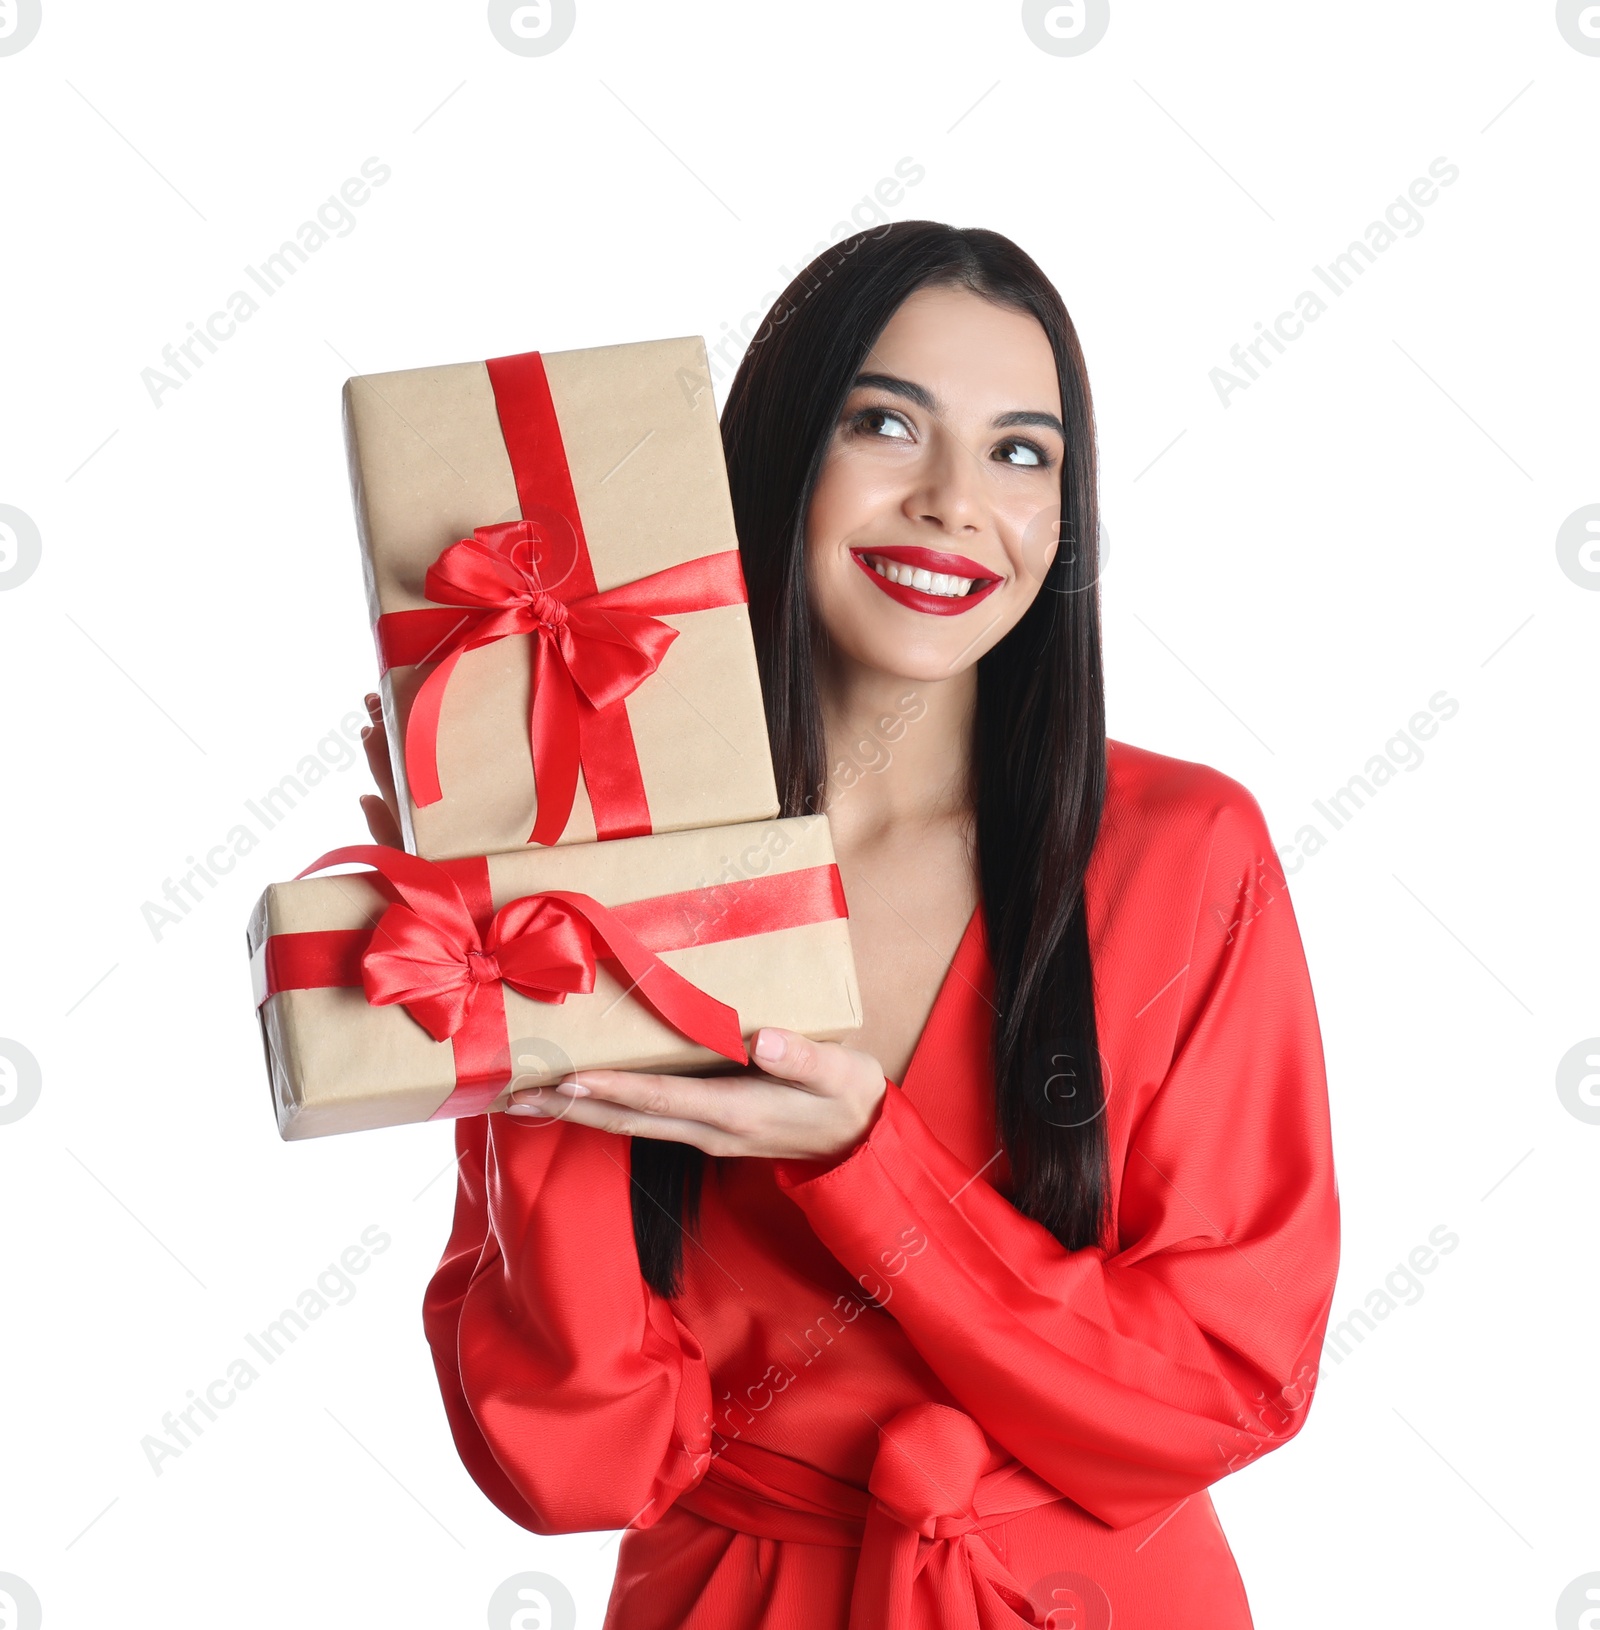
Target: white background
(1291, 577)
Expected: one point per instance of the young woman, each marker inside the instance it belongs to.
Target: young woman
(952, 1325)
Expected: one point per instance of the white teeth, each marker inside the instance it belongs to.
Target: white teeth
(915, 577)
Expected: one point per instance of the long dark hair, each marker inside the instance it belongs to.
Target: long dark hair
(1039, 761)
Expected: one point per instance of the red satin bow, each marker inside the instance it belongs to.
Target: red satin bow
(590, 652)
(427, 954)
(540, 946)
(582, 648)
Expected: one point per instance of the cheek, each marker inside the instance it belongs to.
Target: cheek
(843, 501)
(1038, 536)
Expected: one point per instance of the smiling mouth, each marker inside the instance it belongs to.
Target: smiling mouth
(927, 580)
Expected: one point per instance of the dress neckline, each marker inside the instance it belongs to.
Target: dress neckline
(959, 980)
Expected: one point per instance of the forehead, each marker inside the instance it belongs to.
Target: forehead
(971, 353)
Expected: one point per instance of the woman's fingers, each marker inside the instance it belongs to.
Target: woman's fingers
(625, 1119)
(385, 829)
(684, 1098)
(376, 745)
(839, 1092)
(814, 1066)
(382, 811)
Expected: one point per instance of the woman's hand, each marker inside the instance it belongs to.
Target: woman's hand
(815, 1101)
(383, 811)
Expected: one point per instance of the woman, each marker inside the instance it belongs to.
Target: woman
(961, 1318)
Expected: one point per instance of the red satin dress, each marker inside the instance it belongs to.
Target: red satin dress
(885, 1399)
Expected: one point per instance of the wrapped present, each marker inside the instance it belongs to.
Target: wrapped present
(554, 582)
(426, 990)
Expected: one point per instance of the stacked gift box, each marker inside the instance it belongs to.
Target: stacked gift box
(594, 872)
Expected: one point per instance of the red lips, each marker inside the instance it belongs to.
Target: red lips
(930, 560)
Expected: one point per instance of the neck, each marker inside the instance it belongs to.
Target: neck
(898, 749)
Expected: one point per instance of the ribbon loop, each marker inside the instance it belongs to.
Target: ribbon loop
(922, 1540)
(930, 1458)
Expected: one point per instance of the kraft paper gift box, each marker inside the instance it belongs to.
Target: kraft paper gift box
(554, 581)
(427, 993)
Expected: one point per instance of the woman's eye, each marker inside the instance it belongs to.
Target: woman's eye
(880, 421)
(1031, 456)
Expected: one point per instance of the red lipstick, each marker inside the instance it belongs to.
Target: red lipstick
(930, 560)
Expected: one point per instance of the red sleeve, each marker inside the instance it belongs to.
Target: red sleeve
(1130, 1378)
(577, 1400)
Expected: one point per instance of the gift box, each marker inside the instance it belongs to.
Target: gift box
(423, 990)
(554, 583)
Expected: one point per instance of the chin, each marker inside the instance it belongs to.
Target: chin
(891, 642)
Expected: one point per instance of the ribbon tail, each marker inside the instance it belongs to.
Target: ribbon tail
(422, 734)
(998, 1598)
(692, 585)
(885, 1574)
(483, 1062)
(611, 772)
(690, 1011)
(553, 739)
(975, 1589)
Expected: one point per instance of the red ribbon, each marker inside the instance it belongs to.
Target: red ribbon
(590, 650)
(442, 952)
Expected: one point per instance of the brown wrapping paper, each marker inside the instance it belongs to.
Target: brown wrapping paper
(428, 464)
(339, 1065)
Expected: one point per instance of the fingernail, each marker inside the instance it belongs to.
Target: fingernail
(573, 1089)
(526, 1109)
(769, 1044)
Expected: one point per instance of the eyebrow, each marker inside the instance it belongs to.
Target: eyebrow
(1047, 421)
(923, 398)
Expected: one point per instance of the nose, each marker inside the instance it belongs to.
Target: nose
(948, 489)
